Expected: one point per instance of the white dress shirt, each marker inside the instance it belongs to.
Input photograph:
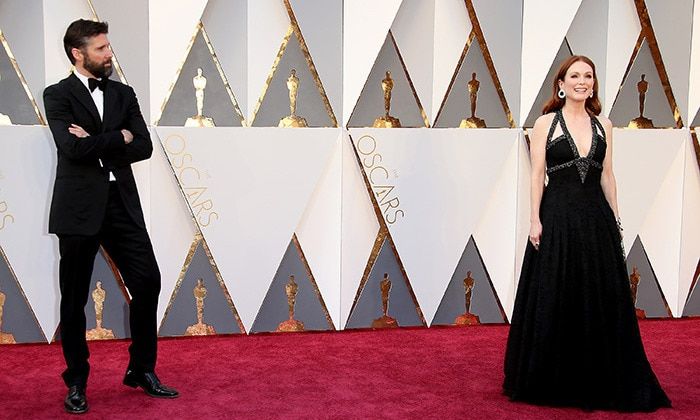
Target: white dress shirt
(99, 98)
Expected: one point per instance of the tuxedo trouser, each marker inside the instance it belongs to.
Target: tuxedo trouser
(130, 248)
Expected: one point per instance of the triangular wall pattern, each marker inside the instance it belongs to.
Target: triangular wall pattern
(18, 323)
(404, 102)
(219, 103)
(650, 297)
(200, 288)
(457, 103)
(311, 101)
(368, 306)
(483, 300)
(309, 309)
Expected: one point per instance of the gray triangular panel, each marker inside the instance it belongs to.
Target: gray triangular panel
(545, 92)
(182, 102)
(18, 321)
(182, 312)
(696, 120)
(310, 102)
(484, 301)
(656, 106)
(115, 308)
(692, 305)
(457, 104)
(650, 297)
(370, 105)
(402, 306)
(14, 102)
(308, 308)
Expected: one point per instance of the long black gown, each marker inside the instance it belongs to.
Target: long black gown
(574, 338)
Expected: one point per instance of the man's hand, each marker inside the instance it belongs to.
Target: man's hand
(78, 131)
(128, 137)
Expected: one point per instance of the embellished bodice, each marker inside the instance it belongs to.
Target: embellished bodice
(562, 155)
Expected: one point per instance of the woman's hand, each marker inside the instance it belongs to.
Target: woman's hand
(535, 234)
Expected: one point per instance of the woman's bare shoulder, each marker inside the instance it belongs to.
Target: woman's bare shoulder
(543, 121)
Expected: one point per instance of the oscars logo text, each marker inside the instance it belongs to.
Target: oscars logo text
(191, 180)
(379, 175)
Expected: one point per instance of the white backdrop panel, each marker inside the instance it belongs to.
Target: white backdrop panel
(22, 24)
(27, 165)
(690, 234)
(649, 166)
(413, 31)
(319, 231)
(170, 31)
(172, 228)
(545, 24)
(226, 24)
(248, 190)
(359, 228)
(672, 23)
(268, 22)
(57, 17)
(496, 232)
(694, 83)
(452, 28)
(442, 180)
(623, 31)
(365, 25)
(321, 23)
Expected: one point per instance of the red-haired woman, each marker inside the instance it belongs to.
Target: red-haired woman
(574, 338)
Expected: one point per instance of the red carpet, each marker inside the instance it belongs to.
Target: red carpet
(405, 373)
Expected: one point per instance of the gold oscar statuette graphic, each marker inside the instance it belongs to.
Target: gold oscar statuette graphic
(99, 332)
(386, 120)
(200, 328)
(199, 120)
(4, 119)
(293, 120)
(468, 318)
(641, 121)
(385, 321)
(5, 338)
(634, 284)
(291, 324)
(473, 121)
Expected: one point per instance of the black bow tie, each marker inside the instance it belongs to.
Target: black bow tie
(94, 83)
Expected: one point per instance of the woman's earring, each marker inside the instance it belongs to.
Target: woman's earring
(591, 95)
(561, 94)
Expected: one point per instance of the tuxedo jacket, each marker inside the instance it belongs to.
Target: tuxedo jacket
(82, 174)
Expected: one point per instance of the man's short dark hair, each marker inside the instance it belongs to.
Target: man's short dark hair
(78, 34)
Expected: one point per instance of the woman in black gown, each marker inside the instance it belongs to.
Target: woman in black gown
(574, 338)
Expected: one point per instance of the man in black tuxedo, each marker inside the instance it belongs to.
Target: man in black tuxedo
(99, 132)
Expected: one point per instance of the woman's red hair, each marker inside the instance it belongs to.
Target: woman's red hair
(555, 102)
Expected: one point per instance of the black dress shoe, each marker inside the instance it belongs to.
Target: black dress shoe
(76, 402)
(150, 383)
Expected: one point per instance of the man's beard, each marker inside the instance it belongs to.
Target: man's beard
(98, 70)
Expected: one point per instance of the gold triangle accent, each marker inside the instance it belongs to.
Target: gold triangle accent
(15, 66)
